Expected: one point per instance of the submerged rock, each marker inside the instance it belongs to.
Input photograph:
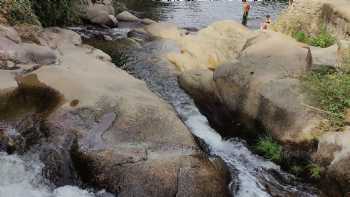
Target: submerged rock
(148, 21)
(139, 35)
(164, 30)
(127, 17)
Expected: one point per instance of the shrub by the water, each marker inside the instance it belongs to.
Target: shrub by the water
(314, 171)
(48, 12)
(55, 12)
(300, 36)
(18, 11)
(269, 149)
(323, 39)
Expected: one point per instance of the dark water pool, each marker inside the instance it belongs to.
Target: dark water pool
(204, 12)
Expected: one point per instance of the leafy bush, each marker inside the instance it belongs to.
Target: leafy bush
(323, 39)
(55, 12)
(314, 170)
(300, 36)
(331, 91)
(297, 170)
(269, 149)
(19, 11)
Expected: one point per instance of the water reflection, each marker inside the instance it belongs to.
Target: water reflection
(202, 13)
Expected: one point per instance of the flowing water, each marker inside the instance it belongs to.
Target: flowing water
(21, 176)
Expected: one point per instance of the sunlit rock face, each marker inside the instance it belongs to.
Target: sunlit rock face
(313, 15)
(218, 43)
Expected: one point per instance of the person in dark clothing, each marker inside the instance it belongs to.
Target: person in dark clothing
(246, 8)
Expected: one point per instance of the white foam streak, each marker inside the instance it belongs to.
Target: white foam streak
(233, 152)
(21, 177)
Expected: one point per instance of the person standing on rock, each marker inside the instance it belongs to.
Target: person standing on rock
(246, 8)
(265, 25)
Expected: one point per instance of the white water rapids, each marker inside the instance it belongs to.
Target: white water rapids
(21, 177)
(234, 152)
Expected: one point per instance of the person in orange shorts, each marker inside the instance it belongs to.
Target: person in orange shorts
(246, 8)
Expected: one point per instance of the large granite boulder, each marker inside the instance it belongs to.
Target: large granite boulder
(100, 12)
(263, 86)
(324, 58)
(122, 136)
(218, 43)
(101, 15)
(334, 153)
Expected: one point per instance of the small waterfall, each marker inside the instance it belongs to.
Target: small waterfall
(21, 177)
(234, 152)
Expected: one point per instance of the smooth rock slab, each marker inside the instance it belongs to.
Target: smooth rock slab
(128, 140)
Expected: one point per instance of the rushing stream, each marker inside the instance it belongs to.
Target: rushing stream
(252, 176)
(21, 176)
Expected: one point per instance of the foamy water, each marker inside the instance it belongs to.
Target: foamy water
(234, 152)
(22, 177)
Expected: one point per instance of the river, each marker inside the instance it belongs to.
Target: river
(199, 14)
